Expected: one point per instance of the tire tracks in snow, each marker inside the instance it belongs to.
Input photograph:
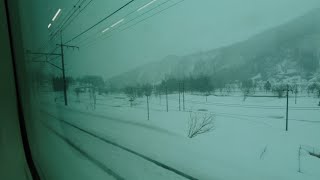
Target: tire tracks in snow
(158, 163)
(84, 154)
(117, 120)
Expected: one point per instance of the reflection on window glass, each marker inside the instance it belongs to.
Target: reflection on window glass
(174, 89)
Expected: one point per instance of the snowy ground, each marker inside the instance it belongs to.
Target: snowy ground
(249, 140)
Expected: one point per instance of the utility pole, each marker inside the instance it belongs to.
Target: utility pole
(63, 68)
(183, 95)
(63, 72)
(167, 98)
(287, 112)
(295, 94)
(179, 96)
(299, 160)
(148, 107)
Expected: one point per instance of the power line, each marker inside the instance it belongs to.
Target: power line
(153, 14)
(243, 115)
(94, 25)
(67, 17)
(110, 16)
(54, 58)
(79, 12)
(46, 42)
(250, 106)
(114, 29)
(89, 44)
(128, 14)
(231, 115)
(44, 54)
(62, 24)
(235, 116)
(65, 20)
(252, 116)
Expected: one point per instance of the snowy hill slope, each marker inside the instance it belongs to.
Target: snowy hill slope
(290, 50)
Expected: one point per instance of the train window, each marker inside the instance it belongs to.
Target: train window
(172, 89)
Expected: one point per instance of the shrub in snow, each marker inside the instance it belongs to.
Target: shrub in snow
(200, 123)
(78, 91)
(279, 90)
(93, 97)
(247, 88)
(131, 93)
(267, 86)
(314, 88)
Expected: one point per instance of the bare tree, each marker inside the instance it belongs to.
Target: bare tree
(247, 88)
(200, 123)
(93, 97)
(158, 91)
(166, 89)
(147, 90)
(131, 93)
(78, 91)
(279, 90)
(295, 90)
(299, 159)
(267, 86)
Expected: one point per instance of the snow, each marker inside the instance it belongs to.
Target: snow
(249, 140)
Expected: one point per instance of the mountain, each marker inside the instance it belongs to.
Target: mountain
(289, 51)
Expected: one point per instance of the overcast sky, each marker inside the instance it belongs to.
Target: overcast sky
(191, 26)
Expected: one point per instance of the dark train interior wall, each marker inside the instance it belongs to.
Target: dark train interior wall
(12, 159)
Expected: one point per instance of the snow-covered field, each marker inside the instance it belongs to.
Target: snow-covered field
(249, 140)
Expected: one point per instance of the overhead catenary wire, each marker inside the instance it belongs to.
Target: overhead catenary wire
(116, 28)
(79, 12)
(54, 58)
(69, 15)
(40, 56)
(176, 3)
(110, 16)
(98, 32)
(157, 13)
(46, 43)
(67, 20)
(61, 26)
(64, 20)
(99, 22)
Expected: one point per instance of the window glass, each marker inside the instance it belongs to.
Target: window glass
(173, 89)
